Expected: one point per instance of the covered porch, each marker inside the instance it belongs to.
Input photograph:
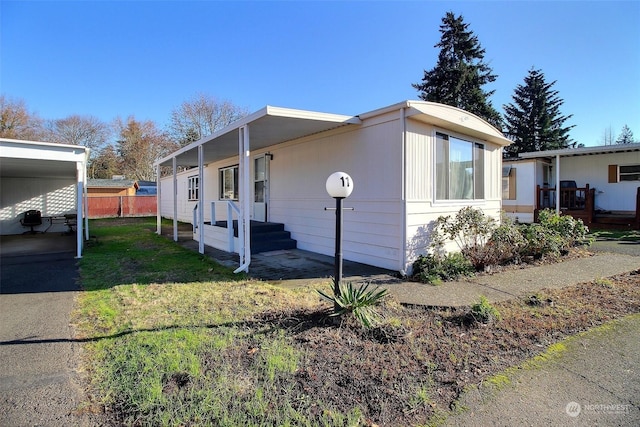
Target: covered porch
(579, 202)
(232, 224)
(610, 195)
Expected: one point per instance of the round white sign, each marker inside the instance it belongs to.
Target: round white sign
(339, 185)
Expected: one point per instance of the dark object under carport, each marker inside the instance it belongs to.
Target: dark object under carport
(32, 218)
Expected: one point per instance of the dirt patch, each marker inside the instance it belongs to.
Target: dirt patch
(416, 365)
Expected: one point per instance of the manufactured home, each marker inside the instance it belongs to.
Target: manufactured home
(600, 185)
(259, 184)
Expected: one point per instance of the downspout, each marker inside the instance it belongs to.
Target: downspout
(558, 184)
(403, 121)
(244, 219)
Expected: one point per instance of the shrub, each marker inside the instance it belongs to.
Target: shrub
(433, 268)
(359, 302)
(554, 234)
(572, 231)
(506, 242)
(471, 229)
(484, 312)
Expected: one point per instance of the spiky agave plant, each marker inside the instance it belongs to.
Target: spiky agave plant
(359, 301)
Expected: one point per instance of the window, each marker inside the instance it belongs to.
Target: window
(229, 183)
(192, 187)
(630, 173)
(618, 173)
(508, 183)
(459, 169)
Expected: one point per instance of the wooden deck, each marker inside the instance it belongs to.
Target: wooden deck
(579, 203)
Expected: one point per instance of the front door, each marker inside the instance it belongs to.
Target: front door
(260, 187)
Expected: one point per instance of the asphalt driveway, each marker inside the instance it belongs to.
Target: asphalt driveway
(39, 384)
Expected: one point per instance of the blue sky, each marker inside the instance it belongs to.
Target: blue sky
(144, 58)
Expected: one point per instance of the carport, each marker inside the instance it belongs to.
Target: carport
(45, 177)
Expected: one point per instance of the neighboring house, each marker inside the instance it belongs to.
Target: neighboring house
(520, 177)
(147, 188)
(117, 186)
(44, 177)
(600, 185)
(410, 163)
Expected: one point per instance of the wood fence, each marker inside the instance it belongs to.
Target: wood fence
(121, 206)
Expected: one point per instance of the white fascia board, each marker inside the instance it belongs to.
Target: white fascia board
(384, 110)
(18, 149)
(311, 115)
(457, 119)
(601, 149)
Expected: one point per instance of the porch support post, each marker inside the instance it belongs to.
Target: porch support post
(174, 165)
(158, 202)
(200, 200)
(244, 219)
(558, 183)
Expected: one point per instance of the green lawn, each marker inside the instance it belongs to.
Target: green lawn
(154, 311)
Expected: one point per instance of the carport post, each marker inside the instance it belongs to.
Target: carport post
(79, 204)
(158, 195)
(175, 198)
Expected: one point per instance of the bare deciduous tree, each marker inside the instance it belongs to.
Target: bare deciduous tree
(17, 122)
(139, 144)
(202, 116)
(88, 131)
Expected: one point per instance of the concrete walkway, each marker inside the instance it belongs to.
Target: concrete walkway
(515, 283)
(595, 381)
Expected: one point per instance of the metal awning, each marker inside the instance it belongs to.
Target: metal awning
(582, 151)
(269, 126)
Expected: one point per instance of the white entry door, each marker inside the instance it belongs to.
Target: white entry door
(260, 187)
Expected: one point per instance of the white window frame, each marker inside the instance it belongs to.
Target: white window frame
(222, 175)
(478, 176)
(193, 188)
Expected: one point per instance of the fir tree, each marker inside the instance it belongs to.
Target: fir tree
(460, 73)
(626, 136)
(533, 120)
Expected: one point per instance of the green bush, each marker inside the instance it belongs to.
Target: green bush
(506, 242)
(553, 234)
(433, 268)
(572, 231)
(359, 302)
(471, 230)
(484, 312)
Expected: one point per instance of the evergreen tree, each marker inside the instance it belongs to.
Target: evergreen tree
(533, 120)
(626, 136)
(460, 73)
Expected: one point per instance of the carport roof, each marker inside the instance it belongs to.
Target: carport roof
(34, 159)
